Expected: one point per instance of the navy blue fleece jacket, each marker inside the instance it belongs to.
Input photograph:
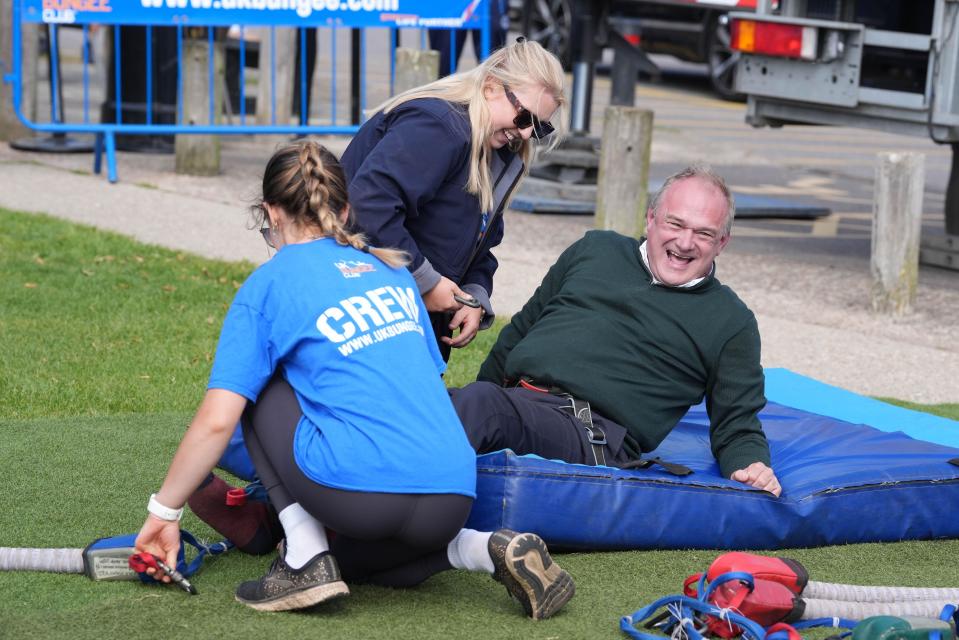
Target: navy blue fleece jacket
(407, 172)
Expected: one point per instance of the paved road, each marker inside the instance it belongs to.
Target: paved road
(826, 166)
(831, 167)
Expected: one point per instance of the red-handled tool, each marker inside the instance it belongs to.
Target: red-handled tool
(140, 562)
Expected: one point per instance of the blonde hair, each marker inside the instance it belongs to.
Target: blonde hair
(306, 181)
(518, 65)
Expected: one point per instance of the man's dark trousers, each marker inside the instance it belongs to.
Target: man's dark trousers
(525, 421)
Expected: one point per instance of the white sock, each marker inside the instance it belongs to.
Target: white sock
(470, 550)
(305, 536)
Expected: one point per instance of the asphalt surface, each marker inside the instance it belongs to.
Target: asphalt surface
(808, 281)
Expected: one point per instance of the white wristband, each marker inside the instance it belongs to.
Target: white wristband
(163, 512)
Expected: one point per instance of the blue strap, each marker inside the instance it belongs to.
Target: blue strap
(674, 605)
(741, 576)
(256, 491)
(835, 623)
(203, 550)
(186, 538)
(681, 609)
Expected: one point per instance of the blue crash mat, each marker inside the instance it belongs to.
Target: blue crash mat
(842, 483)
(793, 390)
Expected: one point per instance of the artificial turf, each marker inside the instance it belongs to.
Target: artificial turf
(106, 348)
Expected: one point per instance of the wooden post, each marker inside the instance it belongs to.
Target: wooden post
(415, 67)
(952, 194)
(199, 155)
(624, 170)
(896, 226)
(285, 48)
(10, 126)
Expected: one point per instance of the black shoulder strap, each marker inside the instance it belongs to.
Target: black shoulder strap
(514, 167)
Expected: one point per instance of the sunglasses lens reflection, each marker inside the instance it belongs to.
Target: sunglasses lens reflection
(267, 234)
(542, 130)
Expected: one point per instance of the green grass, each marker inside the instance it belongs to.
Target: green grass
(94, 324)
(106, 349)
(947, 410)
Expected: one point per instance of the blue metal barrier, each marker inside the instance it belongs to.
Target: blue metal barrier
(329, 17)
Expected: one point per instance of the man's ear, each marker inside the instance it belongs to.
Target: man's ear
(723, 242)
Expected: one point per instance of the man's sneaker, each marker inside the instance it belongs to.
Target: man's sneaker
(523, 564)
(283, 588)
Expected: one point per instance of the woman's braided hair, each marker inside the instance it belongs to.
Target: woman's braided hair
(306, 180)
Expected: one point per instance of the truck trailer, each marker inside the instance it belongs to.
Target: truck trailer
(890, 65)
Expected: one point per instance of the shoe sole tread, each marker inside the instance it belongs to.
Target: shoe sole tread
(301, 599)
(541, 585)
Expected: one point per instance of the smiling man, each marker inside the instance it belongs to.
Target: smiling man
(622, 337)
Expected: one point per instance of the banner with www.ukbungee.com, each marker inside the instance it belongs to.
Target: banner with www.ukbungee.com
(449, 14)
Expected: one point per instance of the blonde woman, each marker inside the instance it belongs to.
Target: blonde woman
(327, 356)
(433, 170)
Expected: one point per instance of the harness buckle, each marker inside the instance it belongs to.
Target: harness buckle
(592, 439)
(595, 436)
(582, 412)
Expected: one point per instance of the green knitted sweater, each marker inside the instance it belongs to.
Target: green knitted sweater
(641, 354)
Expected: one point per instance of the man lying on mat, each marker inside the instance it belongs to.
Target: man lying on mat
(621, 338)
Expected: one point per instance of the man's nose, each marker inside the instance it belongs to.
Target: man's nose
(686, 239)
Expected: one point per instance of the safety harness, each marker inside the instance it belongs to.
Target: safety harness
(595, 435)
(580, 410)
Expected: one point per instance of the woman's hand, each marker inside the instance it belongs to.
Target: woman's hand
(201, 448)
(467, 319)
(162, 539)
(440, 297)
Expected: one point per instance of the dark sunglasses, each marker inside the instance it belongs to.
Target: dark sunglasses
(525, 118)
(267, 234)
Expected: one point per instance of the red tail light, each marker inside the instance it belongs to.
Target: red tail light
(774, 39)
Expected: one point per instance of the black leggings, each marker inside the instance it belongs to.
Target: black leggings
(391, 539)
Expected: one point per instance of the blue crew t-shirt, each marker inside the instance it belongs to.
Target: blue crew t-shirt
(353, 339)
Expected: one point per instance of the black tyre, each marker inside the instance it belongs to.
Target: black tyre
(549, 22)
(721, 60)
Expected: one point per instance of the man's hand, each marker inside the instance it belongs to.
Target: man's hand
(467, 320)
(760, 476)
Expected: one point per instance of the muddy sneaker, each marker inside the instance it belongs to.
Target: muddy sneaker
(523, 564)
(283, 588)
